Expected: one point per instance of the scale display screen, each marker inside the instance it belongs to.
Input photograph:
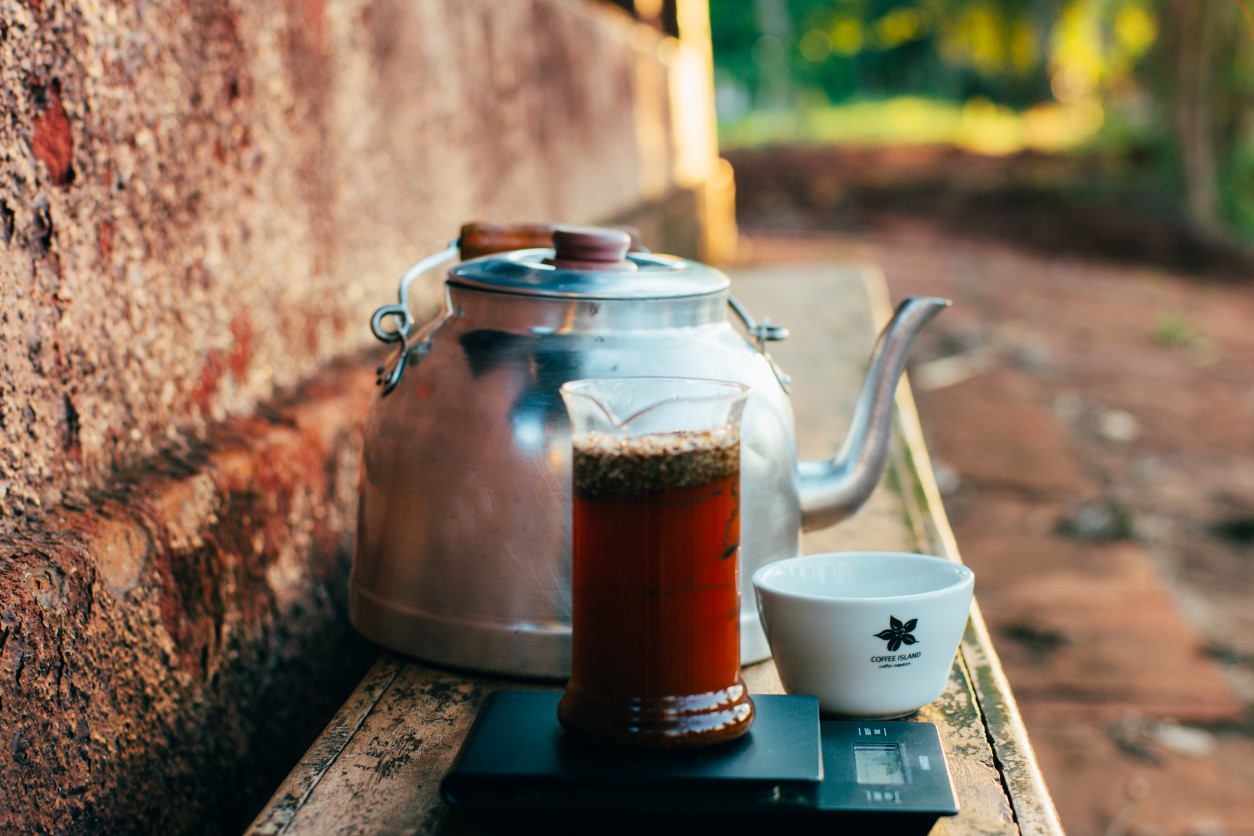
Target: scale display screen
(878, 764)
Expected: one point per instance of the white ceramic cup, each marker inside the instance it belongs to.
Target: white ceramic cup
(871, 634)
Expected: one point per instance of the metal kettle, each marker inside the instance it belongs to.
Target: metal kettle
(463, 539)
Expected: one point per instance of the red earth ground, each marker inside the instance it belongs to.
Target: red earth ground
(1089, 407)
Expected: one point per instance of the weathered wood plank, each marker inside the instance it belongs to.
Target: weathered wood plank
(983, 805)
(378, 766)
(292, 794)
(844, 308)
(1025, 785)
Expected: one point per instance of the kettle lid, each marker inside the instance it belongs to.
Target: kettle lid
(589, 263)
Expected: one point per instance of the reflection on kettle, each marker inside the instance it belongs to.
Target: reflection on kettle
(537, 363)
(463, 547)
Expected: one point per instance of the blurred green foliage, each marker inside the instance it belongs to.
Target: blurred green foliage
(1171, 81)
(1011, 52)
(1176, 330)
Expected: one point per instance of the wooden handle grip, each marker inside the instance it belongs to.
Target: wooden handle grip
(479, 238)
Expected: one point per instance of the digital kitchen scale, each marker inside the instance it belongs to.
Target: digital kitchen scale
(518, 768)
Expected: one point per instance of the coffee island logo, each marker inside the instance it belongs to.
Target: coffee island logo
(897, 634)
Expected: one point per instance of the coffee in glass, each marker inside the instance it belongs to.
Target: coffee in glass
(656, 535)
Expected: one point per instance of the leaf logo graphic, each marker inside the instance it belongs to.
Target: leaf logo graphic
(897, 633)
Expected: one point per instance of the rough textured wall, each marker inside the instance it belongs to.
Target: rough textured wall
(168, 647)
(203, 200)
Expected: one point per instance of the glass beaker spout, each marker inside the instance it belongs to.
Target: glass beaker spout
(647, 405)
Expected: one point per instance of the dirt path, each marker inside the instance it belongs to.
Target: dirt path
(1093, 427)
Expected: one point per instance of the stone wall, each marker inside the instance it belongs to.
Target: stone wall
(201, 202)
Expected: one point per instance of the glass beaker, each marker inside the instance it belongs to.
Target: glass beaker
(656, 536)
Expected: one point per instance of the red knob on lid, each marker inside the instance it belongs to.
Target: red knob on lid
(591, 248)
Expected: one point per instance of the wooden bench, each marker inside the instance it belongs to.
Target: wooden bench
(378, 765)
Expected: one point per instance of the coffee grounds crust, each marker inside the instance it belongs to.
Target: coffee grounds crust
(608, 465)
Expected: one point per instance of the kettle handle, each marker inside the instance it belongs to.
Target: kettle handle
(400, 311)
(403, 317)
(761, 333)
(475, 239)
(481, 238)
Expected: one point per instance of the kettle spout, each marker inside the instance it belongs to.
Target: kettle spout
(834, 489)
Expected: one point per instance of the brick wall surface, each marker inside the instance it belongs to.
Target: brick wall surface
(201, 202)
